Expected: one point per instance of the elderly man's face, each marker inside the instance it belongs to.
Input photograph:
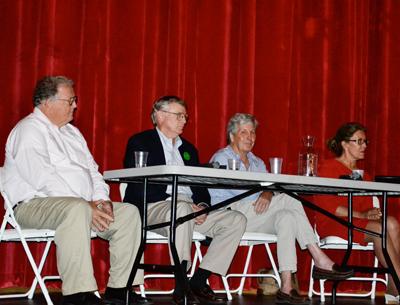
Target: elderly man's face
(244, 139)
(58, 109)
(172, 120)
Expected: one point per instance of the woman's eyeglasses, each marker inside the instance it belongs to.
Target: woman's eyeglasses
(359, 141)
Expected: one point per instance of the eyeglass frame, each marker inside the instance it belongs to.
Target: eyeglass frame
(179, 115)
(71, 100)
(359, 141)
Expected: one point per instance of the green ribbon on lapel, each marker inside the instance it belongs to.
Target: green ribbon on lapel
(186, 156)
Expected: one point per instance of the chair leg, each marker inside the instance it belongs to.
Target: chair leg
(372, 293)
(245, 273)
(223, 278)
(40, 267)
(374, 277)
(277, 276)
(36, 272)
(196, 258)
(142, 290)
(311, 283)
(245, 269)
(227, 288)
(311, 290)
(322, 290)
(3, 226)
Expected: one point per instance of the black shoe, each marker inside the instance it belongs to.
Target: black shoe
(82, 298)
(207, 296)
(292, 298)
(336, 274)
(190, 299)
(117, 296)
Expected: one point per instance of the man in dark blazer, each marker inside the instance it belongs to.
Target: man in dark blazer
(165, 147)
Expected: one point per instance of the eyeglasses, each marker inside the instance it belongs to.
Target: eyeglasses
(359, 141)
(179, 115)
(70, 101)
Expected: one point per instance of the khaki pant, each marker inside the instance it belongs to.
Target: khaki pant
(71, 219)
(224, 226)
(286, 218)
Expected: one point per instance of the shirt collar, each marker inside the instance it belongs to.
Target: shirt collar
(252, 158)
(165, 139)
(42, 117)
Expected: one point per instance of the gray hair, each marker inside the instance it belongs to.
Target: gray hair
(237, 120)
(47, 88)
(162, 104)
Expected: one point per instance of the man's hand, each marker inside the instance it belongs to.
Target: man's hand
(199, 219)
(373, 214)
(102, 215)
(262, 203)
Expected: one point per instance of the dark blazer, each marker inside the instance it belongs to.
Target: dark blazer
(149, 141)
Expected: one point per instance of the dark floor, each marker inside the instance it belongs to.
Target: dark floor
(246, 299)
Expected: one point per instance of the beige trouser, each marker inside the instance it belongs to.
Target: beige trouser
(224, 226)
(71, 219)
(286, 218)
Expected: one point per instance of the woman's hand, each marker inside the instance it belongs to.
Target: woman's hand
(102, 215)
(373, 214)
(262, 203)
(370, 214)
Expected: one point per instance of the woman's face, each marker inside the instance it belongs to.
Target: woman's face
(354, 148)
(244, 139)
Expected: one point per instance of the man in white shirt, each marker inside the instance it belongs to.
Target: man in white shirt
(54, 183)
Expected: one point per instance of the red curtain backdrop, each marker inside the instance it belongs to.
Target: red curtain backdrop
(301, 66)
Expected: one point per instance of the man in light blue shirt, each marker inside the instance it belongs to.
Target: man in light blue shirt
(280, 214)
(222, 156)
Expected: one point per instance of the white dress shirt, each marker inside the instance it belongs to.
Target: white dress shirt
(173, 157)
(43, 160)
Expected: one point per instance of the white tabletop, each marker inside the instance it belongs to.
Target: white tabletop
(212, 177)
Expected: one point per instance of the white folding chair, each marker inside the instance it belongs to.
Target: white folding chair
(251, 239)
(334, 242)
(10, 231)
(155, 238)
(337, 243)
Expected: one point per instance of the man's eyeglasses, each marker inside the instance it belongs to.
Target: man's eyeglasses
(359, 141)
(70, 100)
(179, 115)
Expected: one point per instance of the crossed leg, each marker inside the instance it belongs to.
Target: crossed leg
(393, 247)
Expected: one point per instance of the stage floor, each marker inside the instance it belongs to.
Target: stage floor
(246, 299)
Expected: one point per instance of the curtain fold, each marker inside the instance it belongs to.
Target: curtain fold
(301, 66)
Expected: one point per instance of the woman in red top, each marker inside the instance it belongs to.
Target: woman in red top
(349, 145)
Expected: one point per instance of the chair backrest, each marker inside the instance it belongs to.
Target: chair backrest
(122, 189)
(334, 240)
(9, 214)
(17, 232)
(375, 202)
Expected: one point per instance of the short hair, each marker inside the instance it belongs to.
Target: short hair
(237, 120)
(162, 104)
(47, 87)
(344, 133)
